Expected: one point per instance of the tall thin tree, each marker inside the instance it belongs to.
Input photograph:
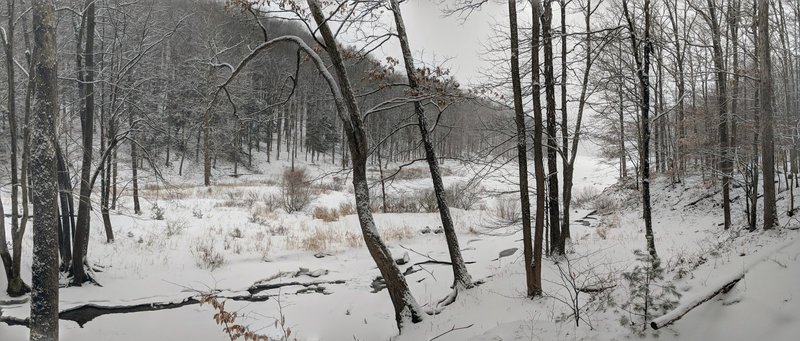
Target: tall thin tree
(461, 277)
(767, 132)
(44, 295)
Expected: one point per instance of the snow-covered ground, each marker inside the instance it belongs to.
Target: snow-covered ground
(161, 260)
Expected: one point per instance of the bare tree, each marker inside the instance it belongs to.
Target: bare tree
(522, 151)
(538, 157)
(767, 131)
(725, 163)
(86, 89)
(405, 306)
(461, 278)
(16, 286)
(556, 238)
(643, 75)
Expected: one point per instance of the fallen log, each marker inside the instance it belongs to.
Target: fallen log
(722, 286)
(85, 313)
(683, 309)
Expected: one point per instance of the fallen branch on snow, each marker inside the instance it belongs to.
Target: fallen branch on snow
(721, 286)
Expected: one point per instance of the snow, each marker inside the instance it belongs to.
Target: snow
(145, 265)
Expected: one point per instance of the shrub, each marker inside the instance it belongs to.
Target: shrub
(295, 190)
(236, 233)
(175, 227)
(463, 194)
(206, 255)
(508, 209)
(251, 198)
(584, 197)
(197, 213)
(605, 205)
(427, 200)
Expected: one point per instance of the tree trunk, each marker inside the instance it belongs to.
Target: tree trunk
(538, 157)
(461, 277)
(643, 74)
(85, 77)
(556, 237)
(522, 152)
(134, 164)
(405, 306)
(567, 190)
(767, 133)
(44, 296)
(16, 286)
(725, 164)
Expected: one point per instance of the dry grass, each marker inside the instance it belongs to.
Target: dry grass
(320, 239)
(411, 173)
(333, 214)
(326, 214)
(261, 215)
(396, 233)
(353, 240)
(240, 199)
(607, 223)
(346, 208)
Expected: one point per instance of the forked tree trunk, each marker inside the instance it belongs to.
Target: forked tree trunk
(86, 89)
(405, 306)
(538, 157)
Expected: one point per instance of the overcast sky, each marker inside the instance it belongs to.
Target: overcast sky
(435, 38)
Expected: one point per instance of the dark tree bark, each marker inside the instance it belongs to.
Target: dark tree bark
(461, 277)
(16, 286)
(538, 156)
(86, 89)
(134, 164)
(643, 74)
(767, 133)
(405, 306)
(44, 295)
(725, 163)
(565, 146)
(556, 237)
(522, 151)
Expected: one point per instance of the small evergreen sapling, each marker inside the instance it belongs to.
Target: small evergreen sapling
(650, 295)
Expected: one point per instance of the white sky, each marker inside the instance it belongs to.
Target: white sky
(435, 38)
